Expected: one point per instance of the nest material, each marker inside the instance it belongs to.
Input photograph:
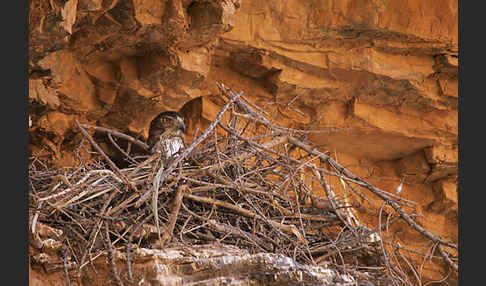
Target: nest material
(244, 181)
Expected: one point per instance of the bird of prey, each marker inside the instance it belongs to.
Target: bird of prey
(165, 134)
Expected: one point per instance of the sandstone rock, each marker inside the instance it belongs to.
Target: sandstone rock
(443, 159)
(447, 64)
(56, 122)
(104, 71)
(68, 13)
(106, 93)
(449, 87)
(149, 12)
(42, 258)
(51, 245)
(45, 95)
(449, 190)
(90, 5)
(414, 167)
(441, 154)
(46, 231)
(195, 65)
(382, 76)
(155, 71)
(205, 265)
(71, 81)
(49, 27)
(445, 192)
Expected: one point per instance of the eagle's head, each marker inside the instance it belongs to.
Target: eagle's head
(166, 125)
(168, 121)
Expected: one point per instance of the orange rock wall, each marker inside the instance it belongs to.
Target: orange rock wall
(382, 74)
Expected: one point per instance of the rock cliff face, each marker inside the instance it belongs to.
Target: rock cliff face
(380, 76)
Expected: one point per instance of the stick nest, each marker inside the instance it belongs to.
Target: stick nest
(244, 181)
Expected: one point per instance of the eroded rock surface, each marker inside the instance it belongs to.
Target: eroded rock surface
(201, 265)
(382, 75)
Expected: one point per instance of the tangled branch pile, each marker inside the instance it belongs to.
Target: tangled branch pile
(244, 181)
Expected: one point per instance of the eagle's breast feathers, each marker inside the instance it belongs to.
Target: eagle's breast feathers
(168, 146)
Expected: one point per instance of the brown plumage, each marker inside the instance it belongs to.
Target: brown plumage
(165, 134)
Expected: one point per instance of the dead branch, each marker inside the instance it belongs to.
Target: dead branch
(173, 216)
(112, 165)
(249, 183)
(117, 134)
(374, 190)
(111, 256)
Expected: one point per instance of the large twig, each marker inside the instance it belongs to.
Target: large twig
(127, 155)
(66, 271)
(373, 189)
(113, 166)
(118, 134)
(331, 197)
(189, 149)
(111, 256)
(447, 258)
(232, 230)
(173, 216)
(290, 229)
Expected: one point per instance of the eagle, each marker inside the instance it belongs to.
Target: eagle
(165, 134)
